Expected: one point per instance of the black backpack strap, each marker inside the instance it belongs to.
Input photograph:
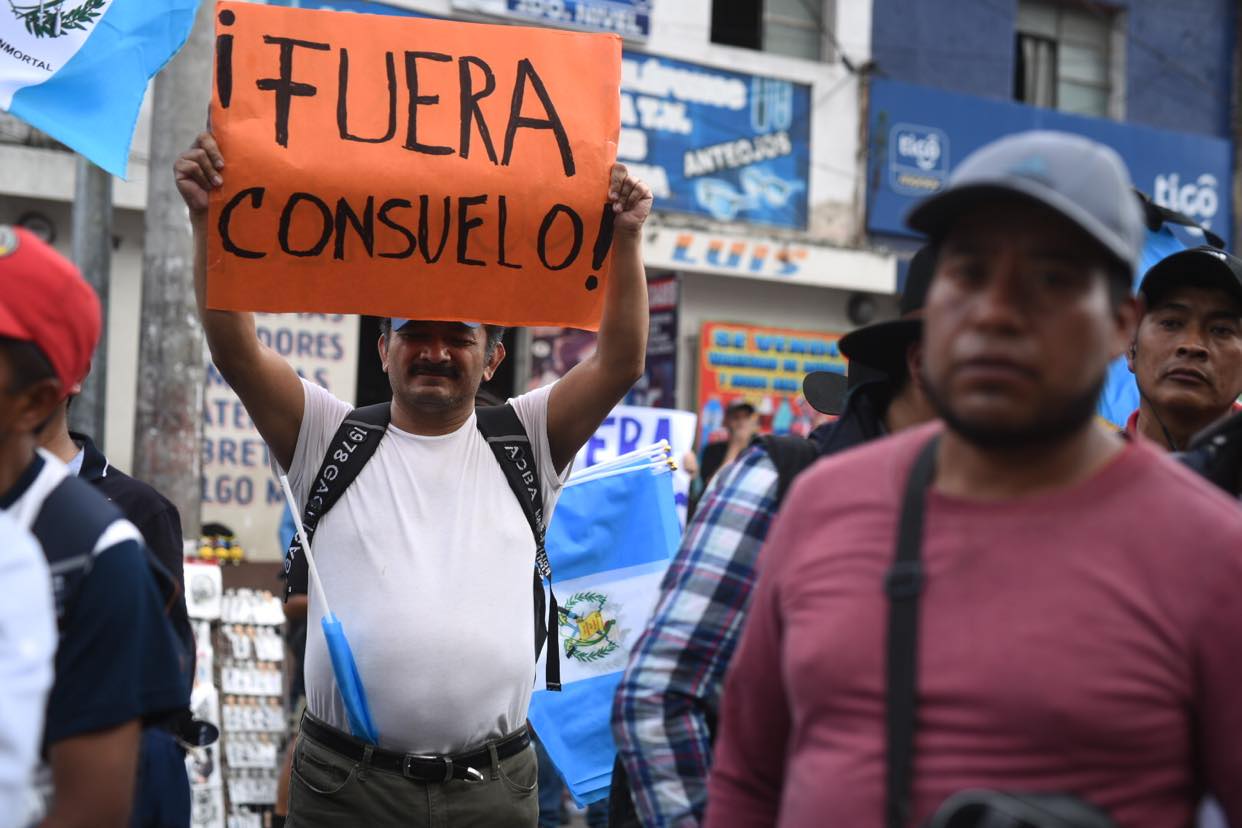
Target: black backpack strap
(791, 455)
(500, 426)
(351, 447)
(903, 586)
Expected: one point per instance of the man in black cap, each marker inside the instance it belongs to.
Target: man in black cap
(886, 394)
(667, 701)
(1187, 354)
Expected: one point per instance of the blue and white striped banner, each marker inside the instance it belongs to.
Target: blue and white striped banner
(78, 69)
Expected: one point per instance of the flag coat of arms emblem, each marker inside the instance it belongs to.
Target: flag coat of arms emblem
(609, 543)
(78, 69)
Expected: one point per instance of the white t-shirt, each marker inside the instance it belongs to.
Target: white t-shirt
(27, 646)
(428, 562)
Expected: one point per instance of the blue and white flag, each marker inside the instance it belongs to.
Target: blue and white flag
(77, 69)
(609, 544)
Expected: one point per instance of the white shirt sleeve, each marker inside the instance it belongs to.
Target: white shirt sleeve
(321, 415)
(27, 647)
(532, 410)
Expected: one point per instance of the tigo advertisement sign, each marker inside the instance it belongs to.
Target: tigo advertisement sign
(918, 135)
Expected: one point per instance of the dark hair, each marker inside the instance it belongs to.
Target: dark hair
(1120, 284)
(494, 333)
(28, 363)
(484, 398)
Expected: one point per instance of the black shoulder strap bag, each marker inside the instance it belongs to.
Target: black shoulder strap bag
(791, 455)
(970, 808)
(354, 443)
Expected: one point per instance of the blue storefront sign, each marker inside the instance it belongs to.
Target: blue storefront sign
(723, 144)
(360, 6)
(628, 18)
(918, 135)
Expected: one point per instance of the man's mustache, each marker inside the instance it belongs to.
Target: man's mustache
(434, 369)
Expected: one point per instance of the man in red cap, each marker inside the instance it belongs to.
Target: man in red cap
(117, 663)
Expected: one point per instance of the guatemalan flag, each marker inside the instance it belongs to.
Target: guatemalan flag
(77, 69)
(609, 544)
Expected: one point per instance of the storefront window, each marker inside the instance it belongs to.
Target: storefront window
(785, 27)
(1063, 57)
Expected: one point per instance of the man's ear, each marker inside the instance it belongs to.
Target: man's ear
(1127, 318)
(914, 360)
(382, 346)
(36, 404)
(498, 356)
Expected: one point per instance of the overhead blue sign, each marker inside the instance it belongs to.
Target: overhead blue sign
(717, 143)
(362, 6)
(918, 135)
(628, 18)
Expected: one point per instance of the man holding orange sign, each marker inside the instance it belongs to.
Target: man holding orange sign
(427, 555)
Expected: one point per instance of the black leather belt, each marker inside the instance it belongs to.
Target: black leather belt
(420, 767)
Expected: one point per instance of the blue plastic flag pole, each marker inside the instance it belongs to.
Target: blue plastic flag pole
(353, 694)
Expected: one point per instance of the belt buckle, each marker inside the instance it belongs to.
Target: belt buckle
(411, 758)
(472, 774)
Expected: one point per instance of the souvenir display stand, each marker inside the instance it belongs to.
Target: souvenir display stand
(239, 686)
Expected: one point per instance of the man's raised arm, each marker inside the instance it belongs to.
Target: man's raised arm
(268, 386)
(583, 398)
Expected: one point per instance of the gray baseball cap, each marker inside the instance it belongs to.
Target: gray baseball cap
(1080, 179)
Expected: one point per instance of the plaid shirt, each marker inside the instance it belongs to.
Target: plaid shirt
(666, 704)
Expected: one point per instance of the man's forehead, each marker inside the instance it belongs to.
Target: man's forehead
(1210, 300)
(1007, 223)
(428, 325)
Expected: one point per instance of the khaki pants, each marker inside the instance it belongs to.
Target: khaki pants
(328, 789)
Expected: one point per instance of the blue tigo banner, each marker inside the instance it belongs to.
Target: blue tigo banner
(78, 69)
(717, 143)
(918, 135)
(609, 544)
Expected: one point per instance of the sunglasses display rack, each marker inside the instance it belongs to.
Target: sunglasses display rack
(239, 687)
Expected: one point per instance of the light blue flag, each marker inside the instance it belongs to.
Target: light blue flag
(77, 69)
(348, 681)
(609, 544)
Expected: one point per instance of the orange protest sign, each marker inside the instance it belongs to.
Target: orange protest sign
(411, 167)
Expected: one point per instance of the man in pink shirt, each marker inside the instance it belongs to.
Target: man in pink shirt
(1080, 619)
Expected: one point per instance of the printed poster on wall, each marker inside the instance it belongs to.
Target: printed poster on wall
(657, 388)
(717, 143)
(553, 351)
(764, 367)
(239, 488)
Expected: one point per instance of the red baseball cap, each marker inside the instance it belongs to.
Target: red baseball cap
(45, 300)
